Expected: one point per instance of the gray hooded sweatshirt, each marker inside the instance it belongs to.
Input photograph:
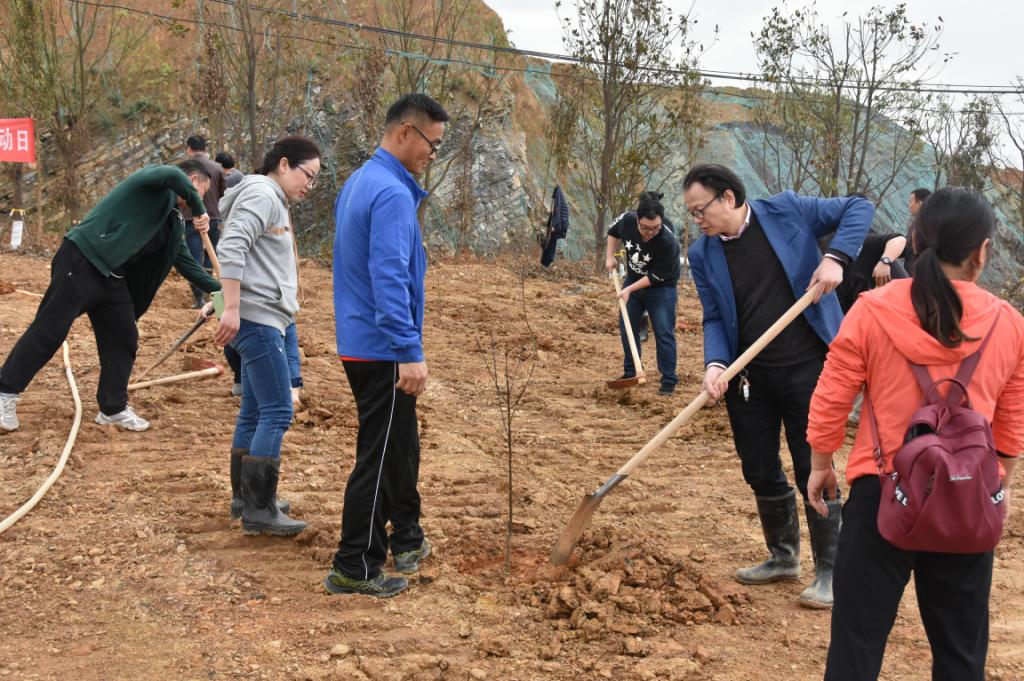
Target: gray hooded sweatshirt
(256, 249)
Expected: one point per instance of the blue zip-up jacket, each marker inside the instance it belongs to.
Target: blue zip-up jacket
(793, 224)
(379, 263)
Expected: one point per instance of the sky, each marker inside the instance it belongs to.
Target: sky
(987, 42)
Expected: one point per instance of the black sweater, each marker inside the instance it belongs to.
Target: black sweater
(763, 294)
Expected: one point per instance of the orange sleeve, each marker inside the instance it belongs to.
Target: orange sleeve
(839, 384)
(1008, 416)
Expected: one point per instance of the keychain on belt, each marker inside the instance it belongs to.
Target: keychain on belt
(744, 386)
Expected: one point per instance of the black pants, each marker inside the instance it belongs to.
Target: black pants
(382, 485)
(952, 595)
(779, 396)
(76, 287)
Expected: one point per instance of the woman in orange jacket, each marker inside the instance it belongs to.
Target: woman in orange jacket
(937, 319)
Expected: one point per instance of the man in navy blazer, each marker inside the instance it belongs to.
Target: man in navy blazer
(753, 260)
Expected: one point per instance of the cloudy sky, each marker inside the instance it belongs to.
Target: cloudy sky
(985, 34)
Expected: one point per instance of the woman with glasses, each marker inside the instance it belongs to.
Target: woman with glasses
(260, 280)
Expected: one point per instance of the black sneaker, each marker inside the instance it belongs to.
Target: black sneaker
(666, 389)
(408, 562)
(380, 586)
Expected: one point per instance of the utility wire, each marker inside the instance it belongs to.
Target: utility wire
(497, 49)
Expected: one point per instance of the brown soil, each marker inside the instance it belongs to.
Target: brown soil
(131, 569)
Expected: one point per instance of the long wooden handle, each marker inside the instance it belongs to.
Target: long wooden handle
(629, 330)
(767, 337)
(208, 246)
(211, 371)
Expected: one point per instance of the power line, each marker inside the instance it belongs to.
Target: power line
(459, 61)
(553, 56)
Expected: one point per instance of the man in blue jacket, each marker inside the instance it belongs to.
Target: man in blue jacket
(753, 260)
(379, 267)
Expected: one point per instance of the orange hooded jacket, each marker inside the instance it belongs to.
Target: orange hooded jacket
(877, 338)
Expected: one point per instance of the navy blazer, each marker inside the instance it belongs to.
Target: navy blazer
(793, 224)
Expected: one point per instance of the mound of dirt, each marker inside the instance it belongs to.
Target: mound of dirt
(629, 587)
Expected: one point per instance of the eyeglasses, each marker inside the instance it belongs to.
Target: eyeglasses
(311, 178)
(434, 146)
(698, 214)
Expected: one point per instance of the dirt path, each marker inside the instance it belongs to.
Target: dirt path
(131, 569)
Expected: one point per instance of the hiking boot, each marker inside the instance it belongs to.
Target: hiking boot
(126, 419)
(236, 485)
(781, 527)
(824, 545)
(8, 413)
(380, 586)
(408, 562)
(260, 511)
(666, 389)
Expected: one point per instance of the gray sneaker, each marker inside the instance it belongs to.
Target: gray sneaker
(126, 419)
(8, 415)
(380, 586)
(408, 562)
(236, 390)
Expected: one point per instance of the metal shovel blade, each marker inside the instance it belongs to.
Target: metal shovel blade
(580, 521)
(621, 383)
(574, 530)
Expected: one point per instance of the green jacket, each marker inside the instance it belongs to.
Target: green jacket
(128, 217)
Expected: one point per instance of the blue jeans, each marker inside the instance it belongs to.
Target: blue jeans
(266, 411)
(291, 348)
(660, 304)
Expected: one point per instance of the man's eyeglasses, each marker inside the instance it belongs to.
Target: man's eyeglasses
(435, 147)
(698, 213)
(311, 178)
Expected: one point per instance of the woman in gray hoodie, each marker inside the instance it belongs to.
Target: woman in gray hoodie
(259, 276)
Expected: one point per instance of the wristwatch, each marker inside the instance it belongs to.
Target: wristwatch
(886, 260)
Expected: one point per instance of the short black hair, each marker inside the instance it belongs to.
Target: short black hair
(196, 143)
(415, 104)
(649, 206)
(193, 167)
(921, 194)
(718, 179)
(225, 160)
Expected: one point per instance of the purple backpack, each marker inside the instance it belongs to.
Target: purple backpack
(944, 494)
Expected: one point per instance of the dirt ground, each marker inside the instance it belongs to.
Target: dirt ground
(130, 568)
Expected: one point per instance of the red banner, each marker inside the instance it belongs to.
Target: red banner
(17, 140)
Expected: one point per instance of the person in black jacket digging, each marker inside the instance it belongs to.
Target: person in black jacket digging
(652, 273)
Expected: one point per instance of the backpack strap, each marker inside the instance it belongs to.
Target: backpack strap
(963, 374)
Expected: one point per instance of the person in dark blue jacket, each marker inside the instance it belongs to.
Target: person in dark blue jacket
(379, 268)
(753, 260)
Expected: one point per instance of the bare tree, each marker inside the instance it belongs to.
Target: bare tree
(637, 98)
(506, 363)
(74, 58)
(1012, 177)
(833, 96)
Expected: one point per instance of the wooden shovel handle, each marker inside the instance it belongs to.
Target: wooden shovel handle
(211, 371)
(767, 337)
(629, 330)
(208, 247)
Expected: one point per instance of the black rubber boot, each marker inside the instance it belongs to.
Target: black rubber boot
(781, 526)
(824, 544)
(197, 298)
(236, 485)
(260, 513)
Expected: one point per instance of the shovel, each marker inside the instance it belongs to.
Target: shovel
(177, 344)
(639, 379)
(200, 368)
(581, 518)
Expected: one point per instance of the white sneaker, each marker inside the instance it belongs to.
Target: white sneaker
(296, 399)
(8, 415)
(126, 419)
